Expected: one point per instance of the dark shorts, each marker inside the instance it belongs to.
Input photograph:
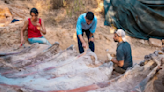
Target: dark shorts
(119, 69)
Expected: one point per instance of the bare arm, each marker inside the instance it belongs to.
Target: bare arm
(22, 31)
(81, 39)
(84, 45)
(43, 28)
(119, 63)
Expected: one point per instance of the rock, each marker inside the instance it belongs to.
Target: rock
(147, 57)
(162, 41)
(155, 42)
(5, 15)
(162, 49)
(146, 42)
(162, 61)
(141, 41)
(160, 52)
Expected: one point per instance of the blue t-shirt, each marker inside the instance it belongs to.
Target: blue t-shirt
(82, 24)
(124, 53)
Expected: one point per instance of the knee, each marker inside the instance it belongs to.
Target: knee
(31, 41)
(91, 39)
(44, 41)
(91, 42)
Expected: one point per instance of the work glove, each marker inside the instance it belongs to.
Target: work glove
(109, 57)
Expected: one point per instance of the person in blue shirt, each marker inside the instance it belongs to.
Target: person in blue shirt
(86, 23)
(123, 58)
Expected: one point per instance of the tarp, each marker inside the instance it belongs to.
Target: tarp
(139, 18)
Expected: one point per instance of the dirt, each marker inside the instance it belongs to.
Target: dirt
(61, 27)
(60, 24)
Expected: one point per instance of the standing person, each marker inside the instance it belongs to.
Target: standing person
(86, 23)
(35, 28)
(123, 53)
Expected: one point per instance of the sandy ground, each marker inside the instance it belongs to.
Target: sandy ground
(62, 28)
(103, 41)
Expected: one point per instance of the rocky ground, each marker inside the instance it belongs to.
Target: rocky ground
(60, 23)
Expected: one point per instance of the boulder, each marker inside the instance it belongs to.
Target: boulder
(155, 42)
(141, 41)
(5, 15)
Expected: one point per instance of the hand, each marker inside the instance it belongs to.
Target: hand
(22, 41)
(91, 39)
(109, 57)
(39, 27)
(84, 45)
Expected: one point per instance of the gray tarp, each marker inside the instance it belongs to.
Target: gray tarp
(139, 18)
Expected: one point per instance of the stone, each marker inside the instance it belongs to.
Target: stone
(5, 15)
(141, 41)
(146, 42)
(155, 42)
(162, 61)
(162, 41)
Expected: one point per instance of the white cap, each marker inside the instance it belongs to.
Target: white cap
(121, 32)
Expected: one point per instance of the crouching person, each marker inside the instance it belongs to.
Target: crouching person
(123, 58)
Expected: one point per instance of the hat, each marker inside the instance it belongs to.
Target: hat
(121, 32)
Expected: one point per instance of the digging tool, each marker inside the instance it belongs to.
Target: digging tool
(20, 47)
